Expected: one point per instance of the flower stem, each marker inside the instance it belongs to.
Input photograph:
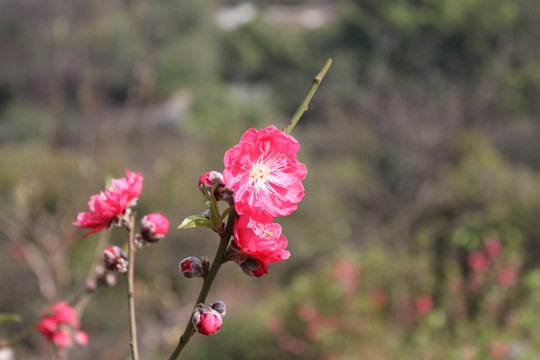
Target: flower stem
(207, 284)
(29, 330)
(130, 290)
(304, 105)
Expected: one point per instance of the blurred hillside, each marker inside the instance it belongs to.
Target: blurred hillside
(422, 147)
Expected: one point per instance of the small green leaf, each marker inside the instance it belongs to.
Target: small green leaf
(9, 317)
(195, 221)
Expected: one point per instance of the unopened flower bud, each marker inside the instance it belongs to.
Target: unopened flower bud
(191, 267)
(206, 214)
(254, 267)
(81, 338)
(210, 179)
(206, 320)
(109, 279)
(222, 192)
(115, 259)
(91, 285)
(61, 339)
(154, 227)
(220, 307)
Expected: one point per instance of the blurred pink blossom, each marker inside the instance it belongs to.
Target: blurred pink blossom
(424, 304)
(347, 274)
(60, 326)
(307, 312)
(498, 349)
(110, 204)
(379, 298)
(493, 247)
(478, 261)
(507, 276)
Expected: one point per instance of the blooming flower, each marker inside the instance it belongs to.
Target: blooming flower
(61, 326)
(261, 240)
(154, 227)
(110, 204)
(265, 174)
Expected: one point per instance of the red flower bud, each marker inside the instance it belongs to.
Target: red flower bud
(210, 179)
(222, 192)
(81, 338)
(115, 259)
(61, 339)
(154, 227)
(206, 320)
(254, 267)
(191, 267)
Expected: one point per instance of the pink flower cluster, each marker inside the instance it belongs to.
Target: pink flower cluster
(480, 262)
(61, 326)
(267, 179)
(107, 207)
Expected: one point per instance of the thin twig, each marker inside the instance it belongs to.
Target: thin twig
(304, 105)
(130, 290)
(207, 284)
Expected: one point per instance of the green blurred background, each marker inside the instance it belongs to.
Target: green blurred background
(422, 147)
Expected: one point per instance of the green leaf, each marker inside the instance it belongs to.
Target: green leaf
(195, 221)
(9, 317)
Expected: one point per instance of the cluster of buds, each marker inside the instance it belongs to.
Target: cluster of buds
(212, 178)
(154, 227)
(207, 320)
(249, 264)
(115, 259)
(192, 267)
(61, 327)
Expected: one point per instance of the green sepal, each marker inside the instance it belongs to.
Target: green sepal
(195, 221)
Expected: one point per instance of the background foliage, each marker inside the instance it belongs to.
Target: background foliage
(421, 145)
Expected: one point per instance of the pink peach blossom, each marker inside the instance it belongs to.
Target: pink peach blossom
(81, 338)
(498, 349)
(113, 202)
(265, 174)
(493, 247)
(424, 304)
(60, 325)
(478, 261)
(61, 339)
(260, 240)
(507, 277)
(379, 298)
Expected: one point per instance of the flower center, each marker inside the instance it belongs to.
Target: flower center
(267, 171)
(261, 231)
